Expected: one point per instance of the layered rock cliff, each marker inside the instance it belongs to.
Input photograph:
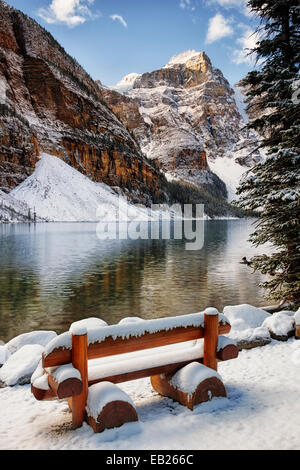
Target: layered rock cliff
(48, 103)
(192, 119)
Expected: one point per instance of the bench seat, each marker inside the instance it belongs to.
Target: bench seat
(117, 367)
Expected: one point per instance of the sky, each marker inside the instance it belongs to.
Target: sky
(112, 38)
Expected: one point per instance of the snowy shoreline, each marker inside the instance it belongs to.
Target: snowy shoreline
(260, 397)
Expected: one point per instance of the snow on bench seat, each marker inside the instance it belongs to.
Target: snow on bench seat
(142, 360)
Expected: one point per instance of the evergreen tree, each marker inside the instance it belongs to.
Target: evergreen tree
(272, 187)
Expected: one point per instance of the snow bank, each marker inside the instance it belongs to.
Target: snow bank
(101, 394)
(280, 324)
(297, 317)
(189, 377)
(34, 337)
(60, 193)
(19, 367)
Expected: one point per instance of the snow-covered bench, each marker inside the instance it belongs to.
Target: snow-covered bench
(74, 362)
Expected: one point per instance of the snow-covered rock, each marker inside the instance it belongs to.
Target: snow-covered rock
(34, 337)
(245, 316)
(290, 313)
(246, 325)
(58, 192)
(280, 326)
(4, 354)
(20, 366)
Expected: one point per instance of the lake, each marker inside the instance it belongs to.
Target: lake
(56, 273)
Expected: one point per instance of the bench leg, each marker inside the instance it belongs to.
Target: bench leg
(211, 327)
(79, 361)
(204, 391)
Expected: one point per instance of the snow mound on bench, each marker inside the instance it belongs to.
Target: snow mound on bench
(34, 337)
(224, 341)
(191, 376)
(101, 394)
(19, 367)
(130, 320)
(65, 372)
(39, 379)
(88, 323)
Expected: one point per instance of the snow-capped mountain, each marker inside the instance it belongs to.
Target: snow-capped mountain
(195, 121)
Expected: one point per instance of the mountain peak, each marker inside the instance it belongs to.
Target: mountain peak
(183, 57)
(191, 55)
(126, 83)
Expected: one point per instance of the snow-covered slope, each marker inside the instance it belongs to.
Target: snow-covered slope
(126, 83)
(58, 192)
(12, 210)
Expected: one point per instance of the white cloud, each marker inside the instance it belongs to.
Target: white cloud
(241, 5)
(120, 19)
(69, 12)
(185, 4)
(247, 42)
(218, 28)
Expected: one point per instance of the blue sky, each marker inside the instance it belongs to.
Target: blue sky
(111, 38)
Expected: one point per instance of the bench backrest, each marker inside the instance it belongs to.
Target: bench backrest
(121, 339)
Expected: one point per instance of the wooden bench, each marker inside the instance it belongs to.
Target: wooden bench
(78, 359)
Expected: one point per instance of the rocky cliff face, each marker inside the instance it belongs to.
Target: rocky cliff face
(48, 103)
(193, 122)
